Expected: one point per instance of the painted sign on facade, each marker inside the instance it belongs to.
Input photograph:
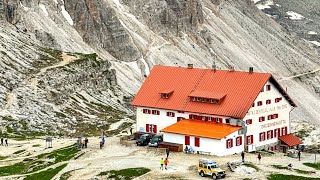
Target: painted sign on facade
(266, 110)
(276, 123)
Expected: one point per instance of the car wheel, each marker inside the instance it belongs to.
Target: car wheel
(214, 176)
(201, 173)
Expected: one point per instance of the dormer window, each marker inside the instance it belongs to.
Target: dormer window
(166, 94)
(207, 97)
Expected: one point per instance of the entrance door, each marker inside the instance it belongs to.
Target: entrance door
(284, 149)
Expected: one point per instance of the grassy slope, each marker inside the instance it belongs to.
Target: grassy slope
(46, 175)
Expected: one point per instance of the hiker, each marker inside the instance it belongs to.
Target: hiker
(299, 154)
(166, 163)
(100, 144)
(1, 141)
(167, 152)
(6, 141)
(83, 142)
(259, 157)
(186, 149)
(161, 163)
(86, 142)
(242, 155)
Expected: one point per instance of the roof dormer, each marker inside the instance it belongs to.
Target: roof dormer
(207, 97)
(166, 94)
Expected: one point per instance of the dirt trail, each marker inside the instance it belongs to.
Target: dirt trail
(298, 75)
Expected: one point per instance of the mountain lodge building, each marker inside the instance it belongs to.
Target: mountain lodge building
(219, 112)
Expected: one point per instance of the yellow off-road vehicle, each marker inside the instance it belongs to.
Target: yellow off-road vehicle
(210, 168)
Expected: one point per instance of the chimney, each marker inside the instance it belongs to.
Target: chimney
(190, 66)
(250, 69)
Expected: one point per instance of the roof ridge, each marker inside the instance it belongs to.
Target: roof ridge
(195, 87)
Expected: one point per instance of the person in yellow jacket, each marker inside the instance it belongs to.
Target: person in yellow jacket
(161, 163)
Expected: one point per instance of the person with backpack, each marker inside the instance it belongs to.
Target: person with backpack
(86, 142)
(166, 163)
(1, 141)
(242, 155)
(167, 152)
(259, 157)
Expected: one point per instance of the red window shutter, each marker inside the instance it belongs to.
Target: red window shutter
(227, 141)
(196, 141)
(207, 118)
(240, 140)
(231, 142)
(271, 134)
(268, 87)
(286, 129)
(147, 127)
(260, 137)
(173, 115)
(167, 113)
(158, 112)
(220, 120)
(154, 128)
(251, 139)
(187, 140)
(199, 117)
(190, 116)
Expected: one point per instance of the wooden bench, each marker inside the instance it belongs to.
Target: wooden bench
(172, 146)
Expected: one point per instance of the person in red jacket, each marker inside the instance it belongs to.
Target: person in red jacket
(166, 161)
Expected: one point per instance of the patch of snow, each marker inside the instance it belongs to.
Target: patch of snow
(255, 1)
(134, 66)
(24, 8)
(244, 170)
(278, 5)
(265, 5)
(116, 125)
(55, 1)
(315, 42)
(147, 70)
(312, 32)
(66, 15)
(43, 7)
(294, 15)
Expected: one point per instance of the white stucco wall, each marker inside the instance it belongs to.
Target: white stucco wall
(281, 108)
(163, 120)
(213, 146)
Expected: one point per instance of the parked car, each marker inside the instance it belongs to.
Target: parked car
(210, 168)
(156, 140)
(144, 140)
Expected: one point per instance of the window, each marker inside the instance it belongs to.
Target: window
(155, 112)
(209, 119)
(270, 117)
(170, 114)
(270, 134)
(239, 141)
(275, 116)
(198, 99)
(196, 142)
(259, 103)
(268, 87)
(203, 118)
(192, 116)
(249, 139)
(262, 89)
(180, 118)
(262, 136)
(187, 140)
(284, 130)
(252, 104)
(229, 143)
(277, 99)
(214, 101)
(151, 128)
(261, 119)
(218, 120)
(146, 111)
(193, 98)
(227, 121)
(268, 101)
(249, 121)
(276, 132)
(164, 96)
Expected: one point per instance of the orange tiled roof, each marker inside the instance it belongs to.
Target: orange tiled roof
(201, 129)
(290, 140)
(241, 89)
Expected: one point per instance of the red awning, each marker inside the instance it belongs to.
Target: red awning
(290, 140)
